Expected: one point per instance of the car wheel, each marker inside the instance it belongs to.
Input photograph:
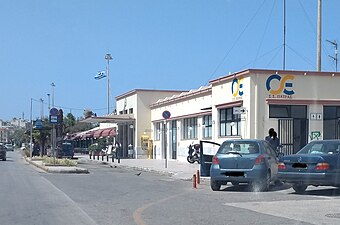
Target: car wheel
(262, 185)
(215, 186)
(299, 188)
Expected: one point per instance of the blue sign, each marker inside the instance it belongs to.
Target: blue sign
(166, 114)
(54, 119)
(38, 124)
(54, 112)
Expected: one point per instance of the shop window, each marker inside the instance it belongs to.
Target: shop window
(189, 130)
(120, 112)
(207, 126)
(157, 133)
(288, 111)
(125, 111)
(130, 110)
(230, 123)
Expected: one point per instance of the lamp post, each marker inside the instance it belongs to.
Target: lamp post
(42, 109)
(31, 138)
(49, 104)
(108, 57)
(53, 85)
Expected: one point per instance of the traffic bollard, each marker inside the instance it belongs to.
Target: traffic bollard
(198, 178)
(194, 185)
(98, 157)
(102, 157)
(107, 158)
(90, 156)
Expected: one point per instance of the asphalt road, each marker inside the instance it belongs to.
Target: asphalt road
(119, 196)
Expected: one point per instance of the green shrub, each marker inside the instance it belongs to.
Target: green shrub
(59, 162)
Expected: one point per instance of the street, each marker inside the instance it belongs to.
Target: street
(109, 195)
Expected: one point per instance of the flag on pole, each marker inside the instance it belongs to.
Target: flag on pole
(100, 75)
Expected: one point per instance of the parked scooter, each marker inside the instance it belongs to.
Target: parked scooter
(193, 153)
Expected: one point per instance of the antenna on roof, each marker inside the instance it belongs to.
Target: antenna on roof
(335, 58)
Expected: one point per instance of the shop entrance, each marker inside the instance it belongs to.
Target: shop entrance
(292, 125)
(293, 134)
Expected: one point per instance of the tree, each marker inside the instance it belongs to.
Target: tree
(69, 122)
(88, 113)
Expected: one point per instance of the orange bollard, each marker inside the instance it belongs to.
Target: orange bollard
(198, 178)
(194, 184)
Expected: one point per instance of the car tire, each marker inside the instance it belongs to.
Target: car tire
(300, 188)
(215, 185)
(262, 185)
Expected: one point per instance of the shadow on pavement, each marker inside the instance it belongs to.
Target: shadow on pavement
(248, 188)
(328, 192)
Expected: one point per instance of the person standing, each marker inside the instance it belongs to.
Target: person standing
(274, 141)
(270, 134)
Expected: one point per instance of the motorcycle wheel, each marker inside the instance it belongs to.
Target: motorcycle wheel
(189, 159)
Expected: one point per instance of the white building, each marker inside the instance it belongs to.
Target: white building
(300, 105)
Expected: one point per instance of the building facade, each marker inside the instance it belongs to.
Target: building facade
(300, 105)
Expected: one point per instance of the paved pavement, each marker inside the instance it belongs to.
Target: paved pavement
(174, 168)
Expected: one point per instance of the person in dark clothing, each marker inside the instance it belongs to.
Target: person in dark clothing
(270, 134)
(274, 141)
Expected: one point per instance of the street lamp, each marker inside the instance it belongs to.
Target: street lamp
(53, 85)
(108, 57)
(49, 104)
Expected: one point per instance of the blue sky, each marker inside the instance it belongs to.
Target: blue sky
(155, 44)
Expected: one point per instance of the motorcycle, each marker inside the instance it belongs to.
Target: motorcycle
(193, 153)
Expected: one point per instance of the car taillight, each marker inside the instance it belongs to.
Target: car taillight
(215, 160)
(259, 159)
(281, 166)
(322, 166)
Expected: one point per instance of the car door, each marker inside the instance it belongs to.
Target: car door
(272, 159)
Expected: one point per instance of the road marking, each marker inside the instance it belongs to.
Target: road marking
(137, 214)
(310, 211)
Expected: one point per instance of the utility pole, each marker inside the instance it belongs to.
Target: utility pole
(284, 35)
(42, 109)
(108, 57)
(335, 58)
(318, 60)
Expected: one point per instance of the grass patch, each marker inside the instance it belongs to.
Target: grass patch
(59, 162)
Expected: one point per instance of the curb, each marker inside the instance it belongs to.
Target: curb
(77, 170)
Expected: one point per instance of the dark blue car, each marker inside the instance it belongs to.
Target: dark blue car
(317, 164)
(244, 161)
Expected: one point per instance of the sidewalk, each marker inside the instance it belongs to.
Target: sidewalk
(173, 168)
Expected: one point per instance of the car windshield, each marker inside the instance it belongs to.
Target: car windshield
(321, 148)
(239, 148)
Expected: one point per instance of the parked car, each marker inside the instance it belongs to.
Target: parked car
(244, 161)
(317, 164)
(66, 150)
(2, 152)
(9, 147)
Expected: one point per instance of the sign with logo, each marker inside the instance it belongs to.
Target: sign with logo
(237, 88)
(54, 119)
(280, 86)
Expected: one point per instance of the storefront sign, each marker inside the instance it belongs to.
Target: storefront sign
(237, 88)
(280, 86)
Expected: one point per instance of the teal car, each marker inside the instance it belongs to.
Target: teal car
(249, 161)
(317, 164)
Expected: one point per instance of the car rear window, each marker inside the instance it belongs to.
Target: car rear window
(321, 148)
(239, 147)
